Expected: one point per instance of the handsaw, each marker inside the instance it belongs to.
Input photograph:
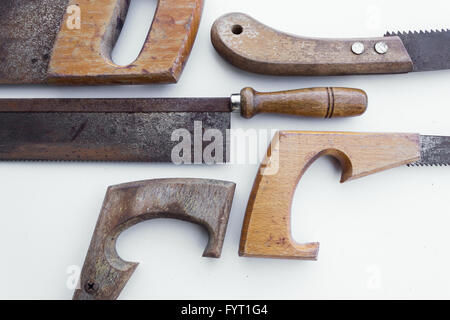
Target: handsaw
(252, 46)
(290, 155)
(153, 129)
(70, 42)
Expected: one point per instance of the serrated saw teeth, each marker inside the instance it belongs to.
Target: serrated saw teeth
(414, 32)
(428, 50)
(420, 164)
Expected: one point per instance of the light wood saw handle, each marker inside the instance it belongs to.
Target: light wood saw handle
(267, 226)
(313, 102)
(82, 55)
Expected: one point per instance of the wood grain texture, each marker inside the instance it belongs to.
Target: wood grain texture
(204, 202)
(312, 102)
(267, 226)
(252, 46)
(84, 56)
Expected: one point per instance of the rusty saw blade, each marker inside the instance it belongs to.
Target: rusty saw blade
(434, 151)
(28, 31)
(137, 130)
(428, 50)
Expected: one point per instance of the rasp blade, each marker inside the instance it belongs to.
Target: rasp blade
(135, 137)
(434, 151)
(429, 50)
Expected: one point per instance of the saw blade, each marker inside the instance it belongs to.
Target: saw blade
(429, 50)
(434, 151)
(133, 137)
(28, 31)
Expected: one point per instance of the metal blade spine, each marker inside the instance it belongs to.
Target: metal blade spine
(115, 105)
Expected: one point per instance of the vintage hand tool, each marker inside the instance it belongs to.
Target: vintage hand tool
(149, 129)
(70, 42)
(254, 47)
(267, 226)
(204, 202)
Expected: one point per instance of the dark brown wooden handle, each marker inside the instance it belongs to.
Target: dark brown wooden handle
(200, 201)
(313, 102)
(252, 46)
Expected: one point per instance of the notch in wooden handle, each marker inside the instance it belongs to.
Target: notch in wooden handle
(313, 102)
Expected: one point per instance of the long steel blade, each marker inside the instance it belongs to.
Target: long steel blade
(429, 50)
(434, 150)
(137, 137)
(28, 31)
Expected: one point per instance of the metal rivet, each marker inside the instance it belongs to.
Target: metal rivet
(358, 48)
(381, 47)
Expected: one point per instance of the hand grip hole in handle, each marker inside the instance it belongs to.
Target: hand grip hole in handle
(133, 32)
(84, 56)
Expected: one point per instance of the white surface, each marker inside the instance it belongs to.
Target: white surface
(384, 236)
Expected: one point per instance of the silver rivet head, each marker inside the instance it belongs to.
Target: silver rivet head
(358, 48)
(381, 47)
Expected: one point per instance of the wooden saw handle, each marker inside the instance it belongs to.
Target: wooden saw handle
(252, 46)
(200, 201)
(313, 102)
(82, 55)
(267, 226)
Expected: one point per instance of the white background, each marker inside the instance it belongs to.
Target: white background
(383, 236)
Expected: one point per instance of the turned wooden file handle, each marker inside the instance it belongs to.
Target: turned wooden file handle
(267, 226)
(252, 46)
(313, 102)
